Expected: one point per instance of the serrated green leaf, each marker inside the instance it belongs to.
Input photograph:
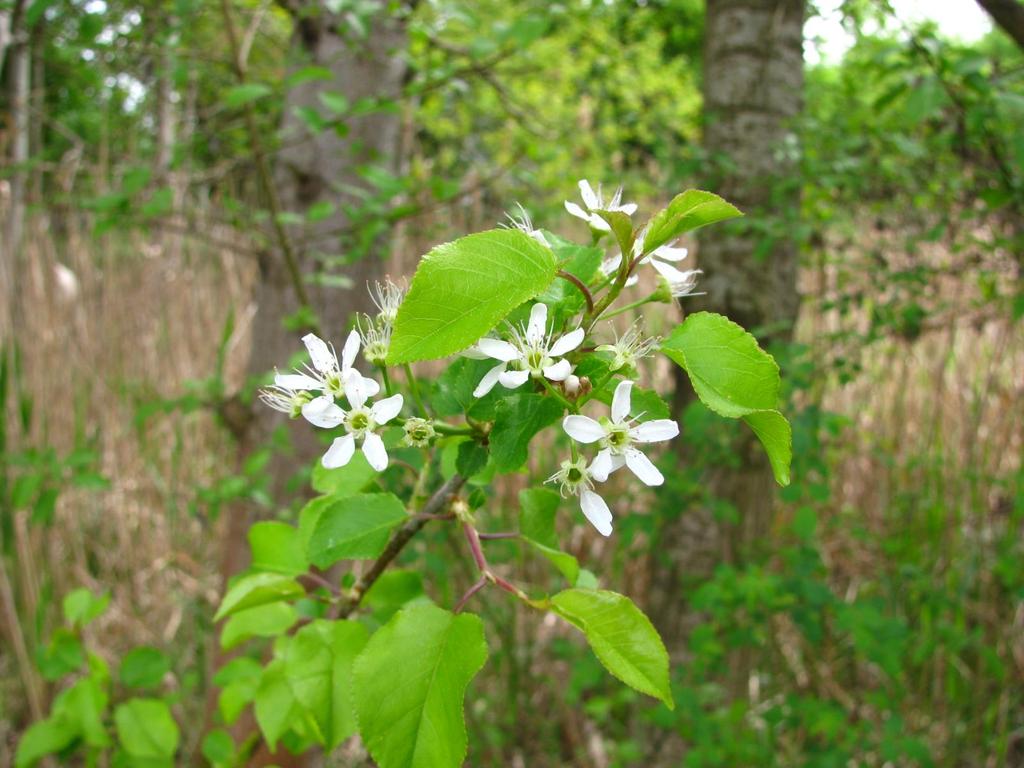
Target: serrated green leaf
(622, 638)
(622, 229)
(462, 289)
(318, 665)
(219, 748)
(735, 378)
(392, 591)
(147, 730)
(258, 589)
(688, 211)
(471, 458)
(276, 547)
(354, 527)
(268, 620)
(410, 683)
(516, 420)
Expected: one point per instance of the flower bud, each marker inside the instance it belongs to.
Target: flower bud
(418, 433)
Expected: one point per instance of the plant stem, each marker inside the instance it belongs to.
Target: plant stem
(626, 308)
(387, 380)
(398, 541)
(503, 535)
(414, 386)
(579, 284)
(469, 593)
(557, 395)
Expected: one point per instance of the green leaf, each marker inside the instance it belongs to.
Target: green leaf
(538, 507)
(83, 706)
(244, 94)
(45, 737)
(276, 547)
(735, 378)
(344, 481)
(687, 211)
(81, 606)
(622, 638)
(392, 592)
(318, 665)
(410, 682)
(274, 704)
(472, 457)
(308, 74)
(335, 102)
(144, 667)
(258, 589)
(354, 527)
(516, 420)
(268, 620)
(239, 680)
(146, 730)
(61, 656)
(219, 748)
(622, 229)
(776, 436)
(462, 289)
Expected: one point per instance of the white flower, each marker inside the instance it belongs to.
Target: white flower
(359, 421)
(680, 282)
(617, 436)
(285, 400)
(387, 297)
(629, 348)
(326, 374)
(575, 480)
(531, 352)
(523, 224)
(594, 201)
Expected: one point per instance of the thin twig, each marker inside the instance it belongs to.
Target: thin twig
(397, 543)
(581, 285)
(469, 593)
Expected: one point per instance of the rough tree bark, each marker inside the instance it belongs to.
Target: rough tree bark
(753, 83)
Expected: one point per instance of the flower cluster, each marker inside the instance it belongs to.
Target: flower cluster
(331, 393)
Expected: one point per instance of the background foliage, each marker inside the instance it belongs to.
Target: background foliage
(879, 622)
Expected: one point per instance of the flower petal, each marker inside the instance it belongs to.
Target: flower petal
(340, 452)
(537, 328)
(370, 386)
(598, 223)
(627, 208)
(590, 198)
(489, 380)
(351, 349)
(355, 389)
(375, 452)
(576, 211)
(473, 353)
(642, 467)
(513, 379)
(559, 371)
(296, 381)
(567, 343)
(320, 353)
(668, 253)
(322, 412)
(596, 511)
(654, 431)
(582, 429)
(604, 464)
(620, 401)
(497, 349)
(385, 410)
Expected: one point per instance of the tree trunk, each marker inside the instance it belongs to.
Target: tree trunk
(1009, 15)
(753, 83)
(19, 65)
